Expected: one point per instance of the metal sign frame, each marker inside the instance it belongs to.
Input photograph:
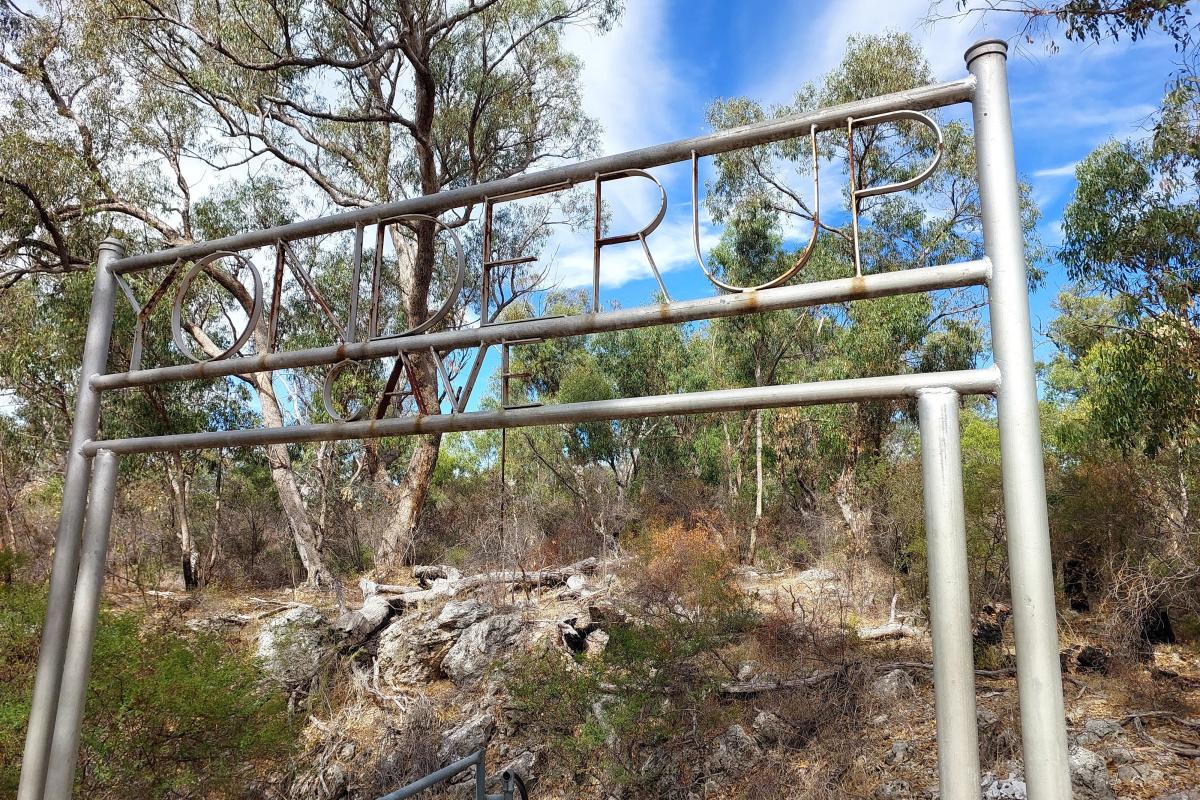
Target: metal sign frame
(52, 741)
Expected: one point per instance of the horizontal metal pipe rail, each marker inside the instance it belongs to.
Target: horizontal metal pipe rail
(853, 390)
(510, 782)
(773, 130)
(475, 760)
(970, 273)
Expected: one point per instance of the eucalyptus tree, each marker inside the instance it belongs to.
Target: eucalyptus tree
(370, 102)
(1132, 233)
(753, 350)
(1090, 20)
(343, 104)
(936, 223)
(601, 464)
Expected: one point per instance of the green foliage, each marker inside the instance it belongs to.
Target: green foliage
(168, 715)
(1132, 244)
(657, 680)
(1096, 20)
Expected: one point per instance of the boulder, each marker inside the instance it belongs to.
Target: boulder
(1121, 755)
(1089, 775)
(522, 765)
(597, 641)
(1011, 788)
(1139, 774)
(459, 614)
(290, 645)
(893, 687)
(466, 737)
(483, 644)
(1096, 730)
(736, 750)
(411, 650)
(771, 728)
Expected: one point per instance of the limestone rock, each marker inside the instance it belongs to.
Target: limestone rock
(736, 750)
(468, 736)
(1011, 788)
(524, 765)
(894, 686)
(483, 644)
(459, 614)
(771, 728)
(1095, 730)
(817, 575)
(1089, 775)
(290, 645)
(1139, 774)
(411, 650)
(597, 641)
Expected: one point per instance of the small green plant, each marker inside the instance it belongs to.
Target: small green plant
(168, 715)
(10, 562)
(656, 686)
(457, 556)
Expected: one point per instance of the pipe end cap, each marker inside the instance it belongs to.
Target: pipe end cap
(986, 47)
(114, 245)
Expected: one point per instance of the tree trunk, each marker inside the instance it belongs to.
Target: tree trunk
(214, 547)
(758, 485)
(858, 520)
(180, 488)
(283, 475)
(284, 478)
(400, 533)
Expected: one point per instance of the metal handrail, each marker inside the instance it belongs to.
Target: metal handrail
(511, 784)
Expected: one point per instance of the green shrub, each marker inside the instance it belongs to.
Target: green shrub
(168, 715)
(656, 686)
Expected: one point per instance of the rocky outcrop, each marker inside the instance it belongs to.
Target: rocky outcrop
(1089, 775)
(736, 750)
(292, 645)
(411, 650)
(482, 645)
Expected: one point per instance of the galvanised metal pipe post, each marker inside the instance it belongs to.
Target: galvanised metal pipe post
(64, 749)
(481, 779)
(949, 595)
(1039, 678)
(48, 682)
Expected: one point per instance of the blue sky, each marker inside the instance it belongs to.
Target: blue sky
(652, 78)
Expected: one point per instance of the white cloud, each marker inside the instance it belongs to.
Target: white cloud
(823, 41)
(1066, 170)
(628, 83)
(671, 246)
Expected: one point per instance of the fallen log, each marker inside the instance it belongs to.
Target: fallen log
(892, 629)
(358, 625)
(764, 685)
(382, 600)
